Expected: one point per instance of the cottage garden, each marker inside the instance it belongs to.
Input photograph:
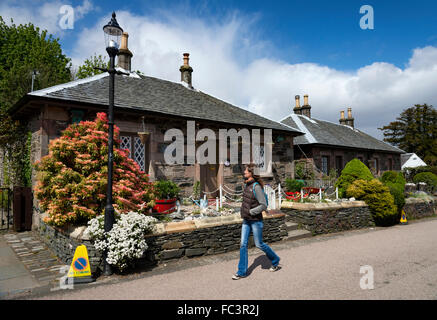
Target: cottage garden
(72, 180)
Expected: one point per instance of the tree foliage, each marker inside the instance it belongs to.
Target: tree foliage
(87, 68)
(25, 48)
(72, 178)
(415, 131)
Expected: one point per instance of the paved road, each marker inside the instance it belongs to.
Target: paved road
(403, 258)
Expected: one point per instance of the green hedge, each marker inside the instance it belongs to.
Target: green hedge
(354, 170)
(377, 196)
(429, 178)
(395, 181)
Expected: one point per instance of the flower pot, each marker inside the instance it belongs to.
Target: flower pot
(165, 206)
(143, 136)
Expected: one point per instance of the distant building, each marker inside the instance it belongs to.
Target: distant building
(329, 145)
(411, 160)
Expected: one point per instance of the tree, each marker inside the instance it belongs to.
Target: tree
(415, 130)
(25, 48)
(87, 68)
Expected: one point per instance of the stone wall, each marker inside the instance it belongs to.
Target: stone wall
(64, 242)
(416, 208)
(172, 240)
(320, 218)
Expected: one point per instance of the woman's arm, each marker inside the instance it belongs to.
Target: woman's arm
(259, 195)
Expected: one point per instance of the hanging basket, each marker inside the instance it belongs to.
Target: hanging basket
(143, 136)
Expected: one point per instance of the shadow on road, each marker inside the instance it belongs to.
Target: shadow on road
(262, 261)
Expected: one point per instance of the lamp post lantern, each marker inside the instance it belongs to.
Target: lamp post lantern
(113, 33)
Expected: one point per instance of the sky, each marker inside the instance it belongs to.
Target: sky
(259, 54)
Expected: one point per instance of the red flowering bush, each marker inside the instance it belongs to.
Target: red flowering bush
(72, 178)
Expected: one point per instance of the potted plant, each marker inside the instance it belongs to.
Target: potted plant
(166, 196)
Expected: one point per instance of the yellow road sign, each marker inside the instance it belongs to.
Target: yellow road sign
(80, 266)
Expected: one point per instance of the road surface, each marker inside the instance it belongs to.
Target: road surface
(403, 259)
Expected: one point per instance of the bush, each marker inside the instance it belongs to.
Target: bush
(409, 173)
(166, 189)
(293, 185)
(394, 177)
(4, 199)
(354, 170)
(125, 242)
(397, 191)
(429, 178)
(395, 181)
(72, 178)
(378, 198)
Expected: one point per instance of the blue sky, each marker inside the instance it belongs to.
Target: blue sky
(260, 54)
(323, 32)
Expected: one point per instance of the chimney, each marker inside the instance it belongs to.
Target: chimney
(186, 71)
(306, 108)
(297, 109)
(349, 119)
(124, 55)
(342, 119)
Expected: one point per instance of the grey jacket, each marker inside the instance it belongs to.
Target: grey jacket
(259, 195)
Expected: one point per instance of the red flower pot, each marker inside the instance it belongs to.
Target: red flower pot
(165, 206)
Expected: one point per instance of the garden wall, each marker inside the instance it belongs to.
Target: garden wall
(186, 239)
(320, 218)
(416, 208)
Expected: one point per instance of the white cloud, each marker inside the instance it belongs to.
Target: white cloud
(377, 93)
(43, 14)
(233, 64)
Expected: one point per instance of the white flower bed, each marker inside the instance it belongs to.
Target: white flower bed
(125, 241)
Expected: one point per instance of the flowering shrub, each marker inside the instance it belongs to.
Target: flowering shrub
(125, 241)
(72, 178)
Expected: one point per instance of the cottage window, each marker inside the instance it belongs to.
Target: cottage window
(260, 159)
(325, 164)
(137, 150)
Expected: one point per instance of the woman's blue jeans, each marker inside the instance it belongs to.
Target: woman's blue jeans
(257, 228)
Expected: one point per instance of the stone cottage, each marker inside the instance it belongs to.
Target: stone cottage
(330, 146)
(148, 104)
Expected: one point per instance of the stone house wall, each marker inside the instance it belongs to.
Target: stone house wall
(48, 123)
(316, 153)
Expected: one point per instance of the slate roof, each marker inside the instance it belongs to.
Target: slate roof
(156, 95)
(328, 133)
(411, 160)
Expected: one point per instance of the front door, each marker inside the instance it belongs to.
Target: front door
(208, 179)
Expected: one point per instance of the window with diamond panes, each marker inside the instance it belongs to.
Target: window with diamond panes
(136, 149)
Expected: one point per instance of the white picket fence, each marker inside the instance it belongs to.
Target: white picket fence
(275, 196)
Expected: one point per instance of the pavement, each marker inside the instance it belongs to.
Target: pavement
(401, 259)
(26, 265)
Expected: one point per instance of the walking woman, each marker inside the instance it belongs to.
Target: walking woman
(254, 203)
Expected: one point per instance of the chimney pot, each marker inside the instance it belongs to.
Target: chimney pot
(342, 119)
(186, 59)
(306, 108)
(186, 71)
(349, 121)
(124, 54)
(297, 109)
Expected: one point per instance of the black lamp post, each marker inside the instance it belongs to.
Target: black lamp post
(113, 34)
